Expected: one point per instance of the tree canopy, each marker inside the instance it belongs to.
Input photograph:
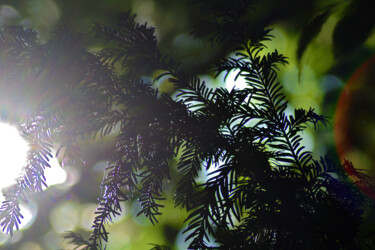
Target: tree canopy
(233, 159)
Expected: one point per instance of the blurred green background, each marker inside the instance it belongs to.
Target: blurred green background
(319, 80)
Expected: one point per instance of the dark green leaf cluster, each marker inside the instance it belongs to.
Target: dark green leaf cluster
(354, 26)
(224, 21)
(264, 190)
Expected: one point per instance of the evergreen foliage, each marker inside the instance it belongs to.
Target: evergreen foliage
(264, 189)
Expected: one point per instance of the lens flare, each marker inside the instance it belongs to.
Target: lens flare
(354, 123)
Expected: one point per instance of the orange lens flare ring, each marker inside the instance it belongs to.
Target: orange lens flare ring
(354, 125)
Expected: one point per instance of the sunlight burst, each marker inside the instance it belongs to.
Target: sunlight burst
(13, 158)
(13, 153)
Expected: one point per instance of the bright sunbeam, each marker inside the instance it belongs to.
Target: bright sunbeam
(13, 158)
(13, 154)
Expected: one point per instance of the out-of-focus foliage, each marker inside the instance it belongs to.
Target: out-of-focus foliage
(355, 25)
(61, 84)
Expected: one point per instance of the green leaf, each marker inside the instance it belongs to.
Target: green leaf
(311, 31)
(353, 29)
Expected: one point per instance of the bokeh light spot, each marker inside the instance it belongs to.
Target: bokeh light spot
(29, 212)
(65, 217)
(56, 174)
(30, 246)
(88, 215)
(8, 15)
